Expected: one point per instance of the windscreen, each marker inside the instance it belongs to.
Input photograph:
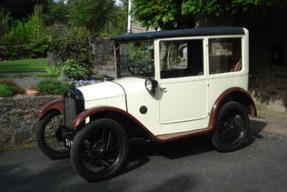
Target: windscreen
(135, 59)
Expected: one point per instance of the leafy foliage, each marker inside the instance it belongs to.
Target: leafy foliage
(218, 7)
(76, 45)
(10, 52)
(31, 32)
(15, 88)
(22, 9)
(4, 21)
(53, 71)
(75, 70)
(164, 14)
(91, 14)
(57, 11)
(26, 31)
(38, 48)
(171, 14)
(74, 51)
(5, 91)
(53, 87)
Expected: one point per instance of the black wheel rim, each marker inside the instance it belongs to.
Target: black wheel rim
(51, 134)
(231, 128)
(101, 151)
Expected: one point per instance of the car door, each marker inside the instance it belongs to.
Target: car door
(183, 87)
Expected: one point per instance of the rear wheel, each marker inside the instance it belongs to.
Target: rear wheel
(99, 150)
(232, 125)
(48, 136)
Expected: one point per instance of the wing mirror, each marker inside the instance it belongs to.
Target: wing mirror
(151, 85)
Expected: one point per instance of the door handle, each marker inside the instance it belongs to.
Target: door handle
(163, 89)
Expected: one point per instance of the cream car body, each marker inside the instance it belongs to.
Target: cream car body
(169, 85)
(179, 104)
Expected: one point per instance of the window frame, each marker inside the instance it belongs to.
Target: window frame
(184, 78)
(244, 55)
(118, 63)
(205, 39)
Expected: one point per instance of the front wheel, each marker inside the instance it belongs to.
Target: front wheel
(48, 135)
(232, 125)
(99, 150)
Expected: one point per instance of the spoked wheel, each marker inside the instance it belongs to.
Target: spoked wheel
(48, 136)
(99, 150)
(231, 127)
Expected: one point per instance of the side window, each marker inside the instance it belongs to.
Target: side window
(224, 55)
(181, 58)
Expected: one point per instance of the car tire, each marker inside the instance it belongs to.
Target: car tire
(99, 150)
(232, 126)
(47, 134)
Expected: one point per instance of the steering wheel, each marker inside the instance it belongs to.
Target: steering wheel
(136, 69)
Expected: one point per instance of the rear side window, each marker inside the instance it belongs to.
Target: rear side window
(225, 55)
(181, 58)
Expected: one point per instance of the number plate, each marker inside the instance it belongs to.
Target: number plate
(68, 143)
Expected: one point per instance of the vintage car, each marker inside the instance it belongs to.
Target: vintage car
(169, 85)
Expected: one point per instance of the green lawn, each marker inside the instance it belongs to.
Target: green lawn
(24, 65)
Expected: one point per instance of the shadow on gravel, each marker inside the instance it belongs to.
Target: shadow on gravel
(141, 152)
(256, 128)
(176, 149)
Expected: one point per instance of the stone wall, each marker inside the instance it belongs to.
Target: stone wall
(268, 59)
(103, 52)
(17, 125)
(268, 88)
(103, 56)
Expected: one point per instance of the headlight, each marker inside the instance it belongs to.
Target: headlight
(151, 85)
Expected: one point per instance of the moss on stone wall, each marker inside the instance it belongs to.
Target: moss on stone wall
(17, 123)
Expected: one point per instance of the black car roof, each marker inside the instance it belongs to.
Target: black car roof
(181, 33)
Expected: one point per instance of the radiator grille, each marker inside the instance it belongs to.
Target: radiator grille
(74, 104)
(70, 110)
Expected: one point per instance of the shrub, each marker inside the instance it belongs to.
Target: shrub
(5, 91)
(74, 50)
(53, 70)
(38, 48)
(52, 87)
(4, 22)
(16, 89)
(30, 31)
(75, 70)
(10, 53)
(76, 45)
(26, 31)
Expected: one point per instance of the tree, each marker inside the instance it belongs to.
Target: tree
(164, 14)
(56, 11)
(20, 9)
(217, 7)
(91, 14)
(4, 20)
(171, 14)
